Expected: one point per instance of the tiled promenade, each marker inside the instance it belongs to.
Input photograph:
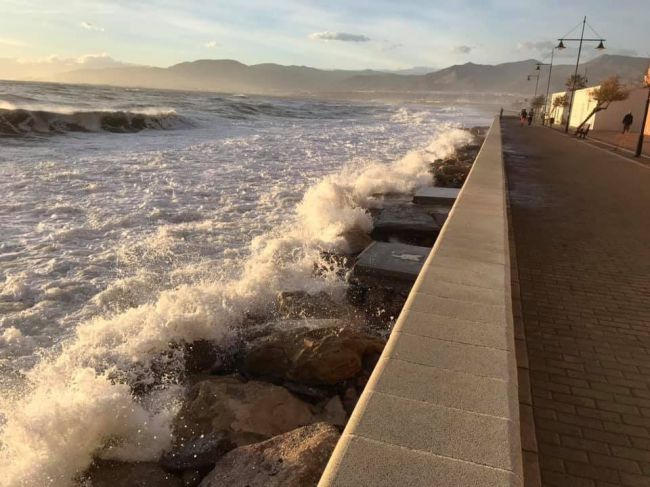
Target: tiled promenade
(581, 231)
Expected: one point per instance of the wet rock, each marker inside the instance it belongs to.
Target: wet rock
(201, 356)
(381, 299)
(479, 131)
(300, 304)
(122, 474)
(245, 412)
(294, 459)
(199, 453)
(451, 175)
(324, 356)
(334, 412)
(356, 240)
(350, 398)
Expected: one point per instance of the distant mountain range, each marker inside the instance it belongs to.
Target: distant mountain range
(235, 77)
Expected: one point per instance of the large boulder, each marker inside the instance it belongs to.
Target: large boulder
(294, 459)
(245, 412)
(197, 454)
(322, 356)
(123, 474)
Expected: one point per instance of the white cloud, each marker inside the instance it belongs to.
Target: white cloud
(338, 36)
(90, 26)
(12, 42)
(49, 67)
(210, 44)
(392, 47)
(540, 46)
(462, 49)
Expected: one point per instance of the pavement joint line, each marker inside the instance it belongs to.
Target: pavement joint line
(440, 406)
(498, 379)
(442, 278)
(427, 453)
(468, 301)
(450, 341)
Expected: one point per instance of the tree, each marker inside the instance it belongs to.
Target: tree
(560, 101)
(609, 91)
(576, 82)
(538, 102)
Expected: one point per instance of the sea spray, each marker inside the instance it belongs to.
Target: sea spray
(79, 403)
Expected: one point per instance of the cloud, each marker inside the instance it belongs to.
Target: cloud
(210, 44)
(462, 49)
(90, 26)
(540, 46)
(338, 36)
(392, 47)
(5, 41)
(50, 67)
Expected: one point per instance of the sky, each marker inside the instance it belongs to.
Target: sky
(346, 34)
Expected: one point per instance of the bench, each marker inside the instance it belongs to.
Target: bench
(582, 131)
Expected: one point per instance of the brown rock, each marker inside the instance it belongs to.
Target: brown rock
(324, 356)
(294, 459)
(245, 412)
(122, 474)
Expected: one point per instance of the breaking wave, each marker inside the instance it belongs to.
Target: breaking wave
(78, 402)
(34, 120)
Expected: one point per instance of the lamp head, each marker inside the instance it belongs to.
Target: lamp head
(561, 45)
(537, 68)
(600, 46)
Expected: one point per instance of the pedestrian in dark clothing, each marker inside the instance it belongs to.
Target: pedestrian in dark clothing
(523, 116)
(627, 122)
(530, 117)
(501, 113)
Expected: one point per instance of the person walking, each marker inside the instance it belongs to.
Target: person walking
(531, 114)
(627, 122)
(501, 113)
(523, 115)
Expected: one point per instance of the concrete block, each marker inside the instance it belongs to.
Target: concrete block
(454, 330)
(439, 430)
(436, 196)
(407, 224)
(444, 387)
(373, 463)
(391, 260)
(462, 357)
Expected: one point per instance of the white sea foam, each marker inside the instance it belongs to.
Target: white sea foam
(73, 408)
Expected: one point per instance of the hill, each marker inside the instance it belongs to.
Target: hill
(233, 76)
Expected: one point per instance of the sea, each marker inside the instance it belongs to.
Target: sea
(133, 220)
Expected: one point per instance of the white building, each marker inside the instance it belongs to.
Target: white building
(610, 119)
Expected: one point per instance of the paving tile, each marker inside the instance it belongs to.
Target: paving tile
(445, 387)
(439, 430)
(372, 463)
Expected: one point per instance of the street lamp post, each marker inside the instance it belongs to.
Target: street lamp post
(575, 76)
(639, 145)
(547, 105)
(536, 76)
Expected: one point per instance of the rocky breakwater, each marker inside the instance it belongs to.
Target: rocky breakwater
(268, 409)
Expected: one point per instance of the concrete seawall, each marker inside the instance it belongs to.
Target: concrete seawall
(441, 407)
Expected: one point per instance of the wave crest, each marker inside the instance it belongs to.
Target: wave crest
(22, 121)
